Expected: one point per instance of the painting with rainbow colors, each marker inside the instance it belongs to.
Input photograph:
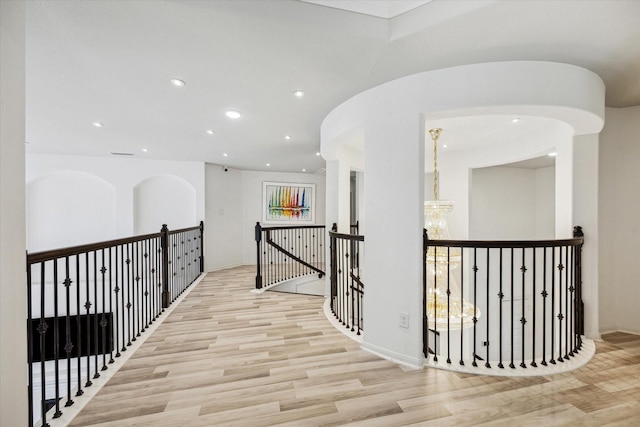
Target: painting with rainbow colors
(288, 203)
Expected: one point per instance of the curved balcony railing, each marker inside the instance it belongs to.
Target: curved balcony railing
(502, 304)
(347, 289)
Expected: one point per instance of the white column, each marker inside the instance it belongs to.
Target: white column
(13, 301)
(394, 156)
(585, 214)
(564, 188)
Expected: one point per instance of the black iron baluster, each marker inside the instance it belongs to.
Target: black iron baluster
(30, 355)
(435, 304)
(111, 327)
(87, 307)
(116, 291)
(129, 321)
(103, 320)
(500, 298)
(56, 338)
(42, 330)
(572, 296)
(68, 345)
(553, 303)
(425, 318)
(475, 304)
(533, 315)
(96, 345)
(487, 364)
(462, 306)
(80, 392)
(448, 305)
(523, 319)
(566, 302)
(512, 365)
(544, 307)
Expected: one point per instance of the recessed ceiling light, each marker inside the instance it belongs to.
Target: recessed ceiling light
(178, 82)
(144, 150)
(98, 124)
(444, 146)
(287, 137)
(552, 154)
(211, 132)
(515, 120)
(233, 114)
(225, 155)
(317, 153)
(268, 164)
(304, 170)
(298, 93)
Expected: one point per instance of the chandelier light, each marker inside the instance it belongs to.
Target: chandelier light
(445, 306)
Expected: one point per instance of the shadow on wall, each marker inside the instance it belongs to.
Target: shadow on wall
(163, 199)
(69, 208)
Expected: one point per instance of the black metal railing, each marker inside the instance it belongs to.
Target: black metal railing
(503, 303)
(87, 304)
(285, 253)
(347, 289)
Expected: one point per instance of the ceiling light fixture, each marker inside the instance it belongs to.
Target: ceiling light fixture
(233, 114)
(178, 82)
(515, 120)
(210, 131)
(144, 150)
(225, 155)
(304, 170)
(298, 93)
(268, 164)
(287, 137)
(317, 153)
(552, 154)
(98, 124)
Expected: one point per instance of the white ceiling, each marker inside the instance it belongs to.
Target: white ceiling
(111, 61)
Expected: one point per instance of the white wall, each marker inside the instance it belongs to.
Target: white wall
(57, 220)
(153, 196)
(545, 203)
(251, 199)
(223, 222)
(510, 203)
(619, 220)
(124, 174)
(13, 298)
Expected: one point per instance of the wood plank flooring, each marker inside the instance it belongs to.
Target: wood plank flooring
(228, 357)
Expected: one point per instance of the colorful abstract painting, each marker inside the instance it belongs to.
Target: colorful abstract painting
(288, 203)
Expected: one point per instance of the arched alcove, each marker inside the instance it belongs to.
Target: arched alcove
(69, 208)
(163, 199)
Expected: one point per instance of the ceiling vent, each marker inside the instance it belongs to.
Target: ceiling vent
(321, 171)
(115, 153)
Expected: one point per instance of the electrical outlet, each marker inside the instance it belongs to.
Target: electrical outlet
(404, 320)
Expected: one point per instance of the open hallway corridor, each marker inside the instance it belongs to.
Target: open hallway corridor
(229, 357)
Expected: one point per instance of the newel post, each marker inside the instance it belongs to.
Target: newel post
(164, 244)
(334, 261)
(258, 240)
(201, 246)
(579, 304)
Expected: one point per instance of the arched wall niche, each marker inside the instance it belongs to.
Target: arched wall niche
(163, 199)
(69, 208)
(394, 118)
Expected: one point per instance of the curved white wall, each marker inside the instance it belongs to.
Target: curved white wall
(163, 199)
(392, 119)
(57, 217)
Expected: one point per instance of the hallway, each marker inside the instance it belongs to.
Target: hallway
(226, 356)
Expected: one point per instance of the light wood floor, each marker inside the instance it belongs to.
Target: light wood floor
(227, 357)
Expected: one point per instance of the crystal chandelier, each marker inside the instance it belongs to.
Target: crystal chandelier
(445, 305)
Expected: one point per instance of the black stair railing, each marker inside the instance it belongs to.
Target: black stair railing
(526, 299)
(285, 253)
(347, 288)
(87, 304)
